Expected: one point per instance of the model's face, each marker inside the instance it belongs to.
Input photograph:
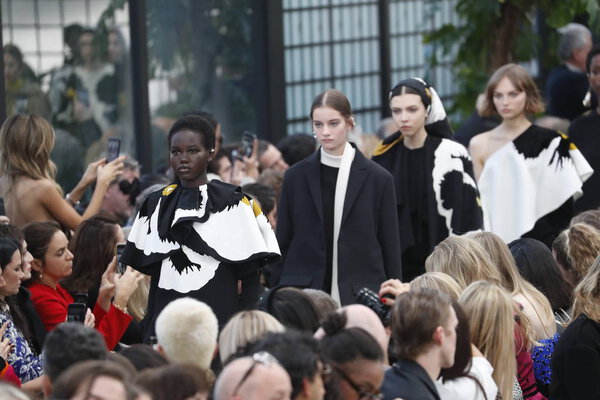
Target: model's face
(331, 129)
(449, 341)
(189, 158)
(272, 159)
(409, 114)
(12, 68)
(594, 74)
(508, 100)
(12, 275)
(58, 260)
(364, 375)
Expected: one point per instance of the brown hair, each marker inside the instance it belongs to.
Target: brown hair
(25, 145)
(38, 236)
(415, 317)
(93, 247)
(521, 80)
(576, 248)
(175, 381)
(335, 99)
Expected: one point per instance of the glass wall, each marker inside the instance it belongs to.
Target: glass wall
(201, 58)
(68, 60)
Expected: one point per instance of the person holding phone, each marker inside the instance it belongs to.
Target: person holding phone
(196, 238)
(27, 175)
(53, 262)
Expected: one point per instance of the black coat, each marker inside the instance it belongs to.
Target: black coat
(409, 381)
(369, 244)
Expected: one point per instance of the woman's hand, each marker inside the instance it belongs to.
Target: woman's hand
(91, 172)
(109, 172)
(90, 319)
(126, 284)
(6, 346)
(393, 287)
(251, 163)
(107, 285)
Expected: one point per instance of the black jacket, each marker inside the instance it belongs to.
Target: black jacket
(369, 244)
(409, 381)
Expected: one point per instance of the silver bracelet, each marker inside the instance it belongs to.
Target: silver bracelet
(70, 200)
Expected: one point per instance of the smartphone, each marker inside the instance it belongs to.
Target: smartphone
(80, 297)
(76, 312)
(248, 143)
(120, 266)
(113, 148)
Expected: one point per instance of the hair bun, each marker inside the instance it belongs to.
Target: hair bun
(334, 323)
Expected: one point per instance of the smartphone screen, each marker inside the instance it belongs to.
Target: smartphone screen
(120, 266)
(113, 148)
(248, 143)
(76, 312)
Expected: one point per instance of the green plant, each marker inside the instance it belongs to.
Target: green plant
(496, 32)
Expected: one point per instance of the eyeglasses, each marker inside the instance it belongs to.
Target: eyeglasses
(262, 358)
(362, 394)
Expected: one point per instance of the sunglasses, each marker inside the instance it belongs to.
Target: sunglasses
(262, 358)
(362, 394)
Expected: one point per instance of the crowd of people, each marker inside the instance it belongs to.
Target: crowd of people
(315, 269)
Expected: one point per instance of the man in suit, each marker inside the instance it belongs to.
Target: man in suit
(424, 331)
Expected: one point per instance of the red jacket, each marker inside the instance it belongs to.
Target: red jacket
(51, 305)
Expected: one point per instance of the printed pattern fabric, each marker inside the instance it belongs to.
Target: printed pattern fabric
(528, 178)
(26, 364)
(190, 232)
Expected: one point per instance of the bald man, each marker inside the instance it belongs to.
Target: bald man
(258, 377)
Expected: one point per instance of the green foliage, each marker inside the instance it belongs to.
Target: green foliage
(495, 32)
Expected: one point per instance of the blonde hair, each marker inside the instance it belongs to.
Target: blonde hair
(25, 145)
(438, 281)
(245, 327)
(138, 302)
(521, 80)
(587, 294)
(577, 247)
(489, 309)
(513, 282)
(463, 259)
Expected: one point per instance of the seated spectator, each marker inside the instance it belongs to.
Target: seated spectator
(463, 259)
(355, 359)
(489, 310)
(26, 363)
(438, 281)
(220, 166)
(258, 377)
(143, 356)
(298, 353)
(52, 261)
(424, 331)
(536, 264)
(186, 331)
(269, 157)
(575, 249)
(296, 147)
(176, 382)
(266, 198)
(292, 307)
(576, 360)
(67, 345)
(323, 302)
(471, 375)
(93, 379)
(243, 328)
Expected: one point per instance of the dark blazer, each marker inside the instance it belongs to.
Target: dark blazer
(409, 381)
(369, 243)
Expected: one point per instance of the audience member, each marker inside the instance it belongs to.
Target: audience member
(27, 175)
(177, 382)
(590, 217)
(67, 345)
(269, 157)
(567, 84)
(424, 331)
(243, 328)
(576, 360)
(298, 353)
(438, 281)
(355, 359)
(266, 199)
(575, 249)
(324, 303)
(9, 392)
(583, 133)
(292, 307)
(186, 331)
(295, 148)
(258, 377)
(120, 195)
(143, 356)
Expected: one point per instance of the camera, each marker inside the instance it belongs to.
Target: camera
(369, 298)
